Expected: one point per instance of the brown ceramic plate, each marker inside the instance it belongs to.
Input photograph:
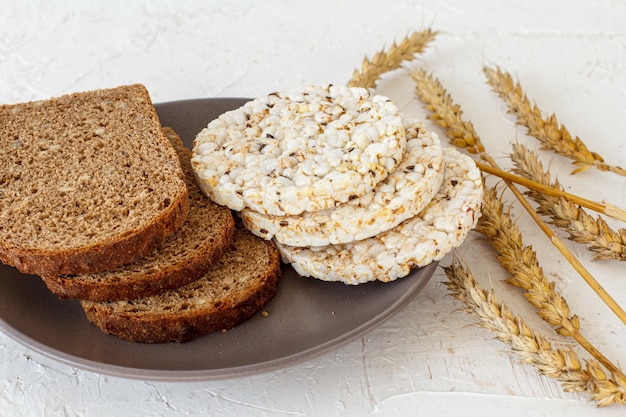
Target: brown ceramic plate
(306, 319)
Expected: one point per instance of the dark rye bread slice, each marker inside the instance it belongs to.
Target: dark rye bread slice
(88, 182)
(182, 257)
(235, 288)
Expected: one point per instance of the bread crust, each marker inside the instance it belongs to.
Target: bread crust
(183, 326)
(104, 255)
(142, 284)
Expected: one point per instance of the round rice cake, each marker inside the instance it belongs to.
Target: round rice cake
(400, 196)
(305, 149)
(416, 242)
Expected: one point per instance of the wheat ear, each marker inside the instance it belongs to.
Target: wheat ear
(462, 134)
(549, 132)
(561, 363)
(392, 58)
(521, 262)
(565, 214)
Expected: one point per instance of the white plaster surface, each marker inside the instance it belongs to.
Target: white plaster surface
(428, 360)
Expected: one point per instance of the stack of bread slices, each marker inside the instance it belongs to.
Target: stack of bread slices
(347, 187)
(100, 201)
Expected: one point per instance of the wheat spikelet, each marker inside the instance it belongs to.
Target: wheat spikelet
(565, 214)
(560, 363)
(445, 113)
(392, 58)
(552, 135)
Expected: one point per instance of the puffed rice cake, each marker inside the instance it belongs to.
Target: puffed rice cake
(306, 149)
(400, 196)
(416, 242)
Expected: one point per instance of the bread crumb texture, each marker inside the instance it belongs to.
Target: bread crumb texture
(66, 170)
(182, 257)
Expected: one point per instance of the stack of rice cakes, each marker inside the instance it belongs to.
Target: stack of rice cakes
(347, 187)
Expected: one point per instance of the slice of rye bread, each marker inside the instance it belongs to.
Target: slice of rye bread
(182, 257)
(235, 288)
(88, 182)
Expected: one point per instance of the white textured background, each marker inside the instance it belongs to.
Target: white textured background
(428, 360)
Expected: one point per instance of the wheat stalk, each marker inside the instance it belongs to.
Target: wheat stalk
(561, 363)
(392, 58)
(462, 134)
(565, 214)
(551, 190)
(552, 135)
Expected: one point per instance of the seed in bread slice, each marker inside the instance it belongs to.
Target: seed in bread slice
(88, 182)
(182, 257)
(235, 288)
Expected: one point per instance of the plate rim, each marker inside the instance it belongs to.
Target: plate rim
(200, 375)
